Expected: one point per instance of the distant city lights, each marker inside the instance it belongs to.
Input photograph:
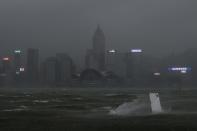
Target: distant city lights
(157, 74)
(183, 72)
(112, 51)
(6, 58)
(180, 69)
(17, 51)
(136, 50)
(17, 73)
(22, 69)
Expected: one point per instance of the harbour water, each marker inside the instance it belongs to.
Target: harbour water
(96, 109)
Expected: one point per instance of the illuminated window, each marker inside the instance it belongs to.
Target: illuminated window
(112, 51)
(6, 59)
(157, 74)
(17, 51)
(136, 50)
(22, 69)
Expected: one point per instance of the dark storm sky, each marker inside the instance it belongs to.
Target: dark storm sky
(157, 26)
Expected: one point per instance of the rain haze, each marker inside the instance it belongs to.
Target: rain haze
(92, 65)
(158, 26)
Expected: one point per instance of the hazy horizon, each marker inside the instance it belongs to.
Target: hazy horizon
(158, 26)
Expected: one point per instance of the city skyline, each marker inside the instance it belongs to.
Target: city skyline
(61, 26)
(91, 65)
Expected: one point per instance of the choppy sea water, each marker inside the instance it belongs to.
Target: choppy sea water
(93, 103)
(124, 101)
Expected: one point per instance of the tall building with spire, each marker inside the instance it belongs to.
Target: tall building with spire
(95, 58)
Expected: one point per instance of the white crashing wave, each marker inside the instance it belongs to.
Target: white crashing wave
(155, 103)
(136, 107)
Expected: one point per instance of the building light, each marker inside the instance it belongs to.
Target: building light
(17, 73)
(17, 51)
(6, 58)
(179, 69)
(136, 50)
(22, 69)
(183, 72)
(112, 51)
(157, 74)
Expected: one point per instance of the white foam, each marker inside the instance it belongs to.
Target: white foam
(155, 103)
(40, 101)
(131, 108)
(20, 108)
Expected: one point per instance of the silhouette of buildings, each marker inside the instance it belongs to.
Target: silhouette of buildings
(103, 68)
(95, 57)
(6, 64)
(50, 70)
(17, 61)
(32, 65)
(91, 78)
(64, 69)
(6, 71)
(18, 69)
(115, 62)
(134, 66)
(90, 60)
(58, 70)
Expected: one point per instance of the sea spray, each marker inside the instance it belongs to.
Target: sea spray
(137, 107)
(155, 103)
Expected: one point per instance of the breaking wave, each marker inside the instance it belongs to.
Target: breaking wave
(136, 107)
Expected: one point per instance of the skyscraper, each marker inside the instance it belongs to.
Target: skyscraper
(99, 47)
(115, 62)
(17, 61)
(98, 52)
(6, 64)
(64, 68)
(90, 60)
(133, 65)
(6, 74)
(32, 65)
(50, 70)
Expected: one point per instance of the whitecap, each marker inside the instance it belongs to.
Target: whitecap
(20, 108)
(40, 101)
(136, 107)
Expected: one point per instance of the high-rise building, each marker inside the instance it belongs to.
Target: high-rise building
(64, 68)
(50, 70)
(6, 64)
(32, 65)
(17, 61)
(90, 60)
(133, 65)
(115, 62)
(98, 52)
(6, 72)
